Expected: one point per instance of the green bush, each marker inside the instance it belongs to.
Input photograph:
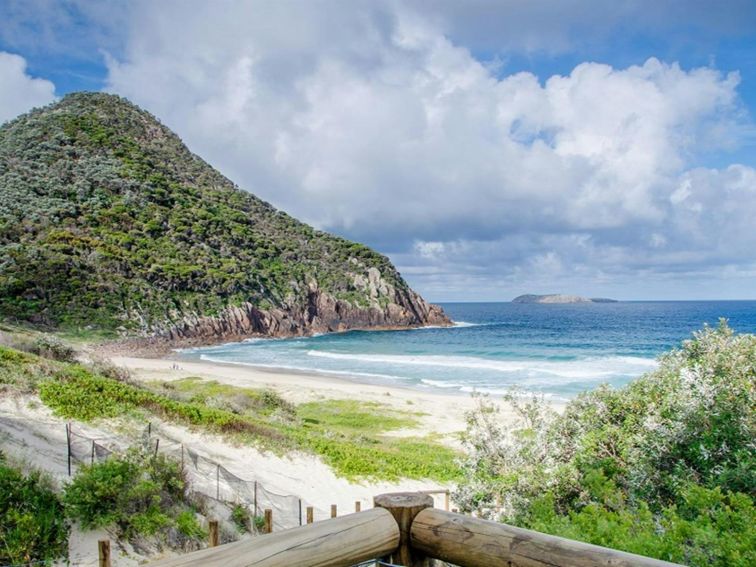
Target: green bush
(664, 466)
(189, 527)
(51, 347)
(32, 523)
(138, 493)
(708, 527)
(241, 518)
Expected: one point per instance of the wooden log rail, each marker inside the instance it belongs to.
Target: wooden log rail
(405, 529)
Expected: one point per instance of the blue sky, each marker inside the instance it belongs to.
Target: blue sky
(489, 148)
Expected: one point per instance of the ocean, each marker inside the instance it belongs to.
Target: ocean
(556, 350)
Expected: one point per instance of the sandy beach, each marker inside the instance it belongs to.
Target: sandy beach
(445, 413)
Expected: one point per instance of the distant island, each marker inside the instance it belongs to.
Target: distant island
(560, 298)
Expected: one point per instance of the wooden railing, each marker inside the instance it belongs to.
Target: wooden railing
(404, 529)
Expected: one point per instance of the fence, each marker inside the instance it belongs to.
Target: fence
(216, 485)
(404, 529)
(220, 488)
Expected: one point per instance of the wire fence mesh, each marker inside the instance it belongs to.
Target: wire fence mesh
(219, 488)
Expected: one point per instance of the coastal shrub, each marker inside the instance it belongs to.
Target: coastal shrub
(265, 402)
(78, 393)
(241, 517)
(668, 457)
(259, 523)
(138, 493)
(708, 527)
(20, 371)
(49, 346)
(189, 527)
(32, 523)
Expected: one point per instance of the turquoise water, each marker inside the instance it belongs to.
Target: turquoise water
(558, 350)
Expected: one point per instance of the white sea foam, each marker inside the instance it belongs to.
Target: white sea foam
(441, 384)
(585, 368)
(303, 369)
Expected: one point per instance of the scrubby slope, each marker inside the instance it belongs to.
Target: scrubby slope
(108, 220)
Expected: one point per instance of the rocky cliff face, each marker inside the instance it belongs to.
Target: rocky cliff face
(321, 314)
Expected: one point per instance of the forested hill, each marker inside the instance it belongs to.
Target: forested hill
(108, 221)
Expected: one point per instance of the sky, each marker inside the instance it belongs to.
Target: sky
(489, 148)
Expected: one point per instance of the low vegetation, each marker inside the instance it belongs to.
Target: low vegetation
(139, 493)
(663, 467)
(33, 527)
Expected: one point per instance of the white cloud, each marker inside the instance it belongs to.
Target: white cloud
(18, 91)
(366, 119)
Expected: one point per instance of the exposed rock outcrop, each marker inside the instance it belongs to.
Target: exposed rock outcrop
(321, 314)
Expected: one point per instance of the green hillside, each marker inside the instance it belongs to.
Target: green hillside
(107, 220)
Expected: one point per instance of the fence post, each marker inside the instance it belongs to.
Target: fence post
(446, 500)
(91, 460)
(255, 499)
(268, 521)
(214, 537)
(309, 514)
(357, 506)
(68, 445)
(300, 511)
(404, 506)
(333, 510)
(103, 552)
(157, 444)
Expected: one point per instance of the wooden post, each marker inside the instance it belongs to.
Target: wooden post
(255, 499)
(103, 551)
(68, 442)
(446, 500)
(214, 534)
(300, 511)
(157, 444)
(309, 514)
(268, 521)
(333, 511)
(404, 506)
(357, 506)
(91, 460)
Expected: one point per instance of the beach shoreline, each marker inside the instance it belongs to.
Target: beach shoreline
(440, 414)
